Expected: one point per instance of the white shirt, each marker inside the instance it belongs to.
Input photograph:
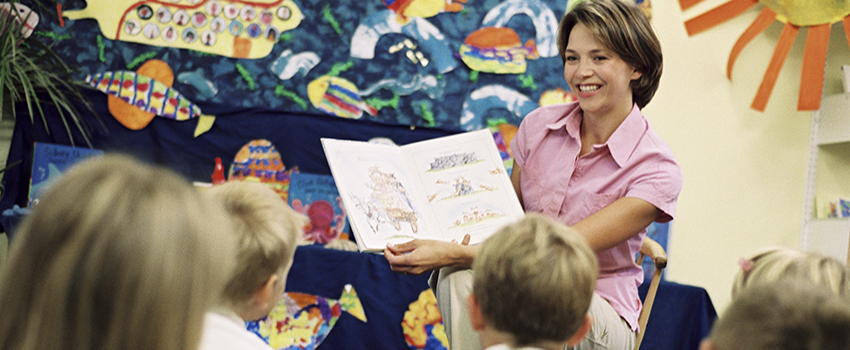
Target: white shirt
(507, 347)
(228, 332)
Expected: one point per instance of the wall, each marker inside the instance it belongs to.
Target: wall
(744, 171)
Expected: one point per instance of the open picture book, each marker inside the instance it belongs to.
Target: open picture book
(439, 189)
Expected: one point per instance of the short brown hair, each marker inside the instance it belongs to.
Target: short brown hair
(621, 27)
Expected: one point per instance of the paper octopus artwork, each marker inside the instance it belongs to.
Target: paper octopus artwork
(317, 197)
(423, 325)
(817, 16)
(239, 29)
(259, 161)
(302, 321)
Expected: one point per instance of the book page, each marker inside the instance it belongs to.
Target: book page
(466, 184)
(382, 202)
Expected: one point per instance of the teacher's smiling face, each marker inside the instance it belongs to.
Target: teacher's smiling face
(598, 76)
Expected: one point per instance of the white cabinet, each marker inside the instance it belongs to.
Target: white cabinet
(828, 178)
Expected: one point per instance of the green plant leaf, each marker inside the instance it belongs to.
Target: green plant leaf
(33, 75)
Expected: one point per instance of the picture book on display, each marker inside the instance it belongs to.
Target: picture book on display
(49, 161)
(316, 196)
(440, 189)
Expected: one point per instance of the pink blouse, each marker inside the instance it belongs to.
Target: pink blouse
(634, 162)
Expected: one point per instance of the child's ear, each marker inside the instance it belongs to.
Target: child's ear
(475, 316)
(266, 292)
(582, 331)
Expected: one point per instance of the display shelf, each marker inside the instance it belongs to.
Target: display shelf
(834, 120)
(827, 178)
(829, 237)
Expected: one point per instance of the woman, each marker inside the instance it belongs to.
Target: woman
(594, 164)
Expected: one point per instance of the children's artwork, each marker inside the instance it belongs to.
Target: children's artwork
(497, 50)
(302, 321)
(258, 160)
(454, 65)
(816, 16)
(503, 134)
(439, 189)
(423, 325)
(23, 17)
(317, 197)
(135, 98)
(239, 29)
(50, 161)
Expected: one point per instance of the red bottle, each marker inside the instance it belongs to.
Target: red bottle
(218, 173)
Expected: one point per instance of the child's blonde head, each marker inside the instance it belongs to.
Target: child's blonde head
(776, 263)
(267, 231)
(534, 280)
(117, 255)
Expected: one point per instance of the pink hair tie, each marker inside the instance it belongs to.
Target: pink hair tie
(745, 264)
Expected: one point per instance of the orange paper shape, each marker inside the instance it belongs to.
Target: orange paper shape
(780, 53)
(814, 64)
(718, 15)
(818, 16)
(131, 116)
(765, 18)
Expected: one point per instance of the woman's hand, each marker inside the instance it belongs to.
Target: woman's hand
(423, 255)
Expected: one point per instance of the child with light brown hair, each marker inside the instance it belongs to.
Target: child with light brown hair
(533, 281)
(117, 255)
(267, 231)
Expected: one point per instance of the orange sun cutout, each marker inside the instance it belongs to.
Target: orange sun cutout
(818, 16)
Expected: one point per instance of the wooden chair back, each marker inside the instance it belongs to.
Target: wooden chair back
(657, 254)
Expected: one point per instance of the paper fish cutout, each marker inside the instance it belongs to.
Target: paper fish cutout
(197, 79)
(23, 17)
(258, 160)
(405, 9)
(339, 97)
(145, 93)
(423, 325)
(556, 95)
(302, 321)
(239, 29)
(289, 64)
(497, 50)
(135, 98)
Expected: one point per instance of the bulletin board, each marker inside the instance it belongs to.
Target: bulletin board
(455, 65)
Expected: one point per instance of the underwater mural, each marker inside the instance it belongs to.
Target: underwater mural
(455, 65)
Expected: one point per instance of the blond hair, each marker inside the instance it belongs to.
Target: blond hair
(534, 279)
(117, 255)
(792, 314)
(267, 231)
(776, 263)
(620, 26)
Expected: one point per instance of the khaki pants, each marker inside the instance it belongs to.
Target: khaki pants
(609, 330)
(451, 287)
